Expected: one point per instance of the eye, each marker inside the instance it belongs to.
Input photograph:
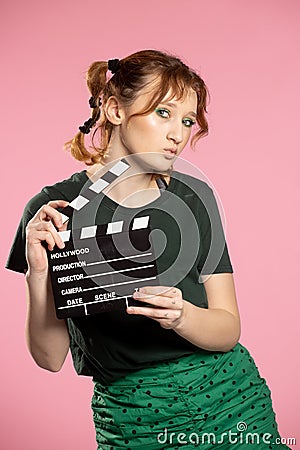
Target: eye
(162, 112)
(188, 122)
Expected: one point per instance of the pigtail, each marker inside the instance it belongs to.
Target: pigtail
(96, 81)
(129, 76)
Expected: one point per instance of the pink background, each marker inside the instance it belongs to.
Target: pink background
(248, 54)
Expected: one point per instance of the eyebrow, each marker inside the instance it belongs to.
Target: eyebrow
(173, 105)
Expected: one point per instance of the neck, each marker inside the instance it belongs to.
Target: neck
(135, 187)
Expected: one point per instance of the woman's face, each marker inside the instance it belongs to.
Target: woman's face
(159, 137)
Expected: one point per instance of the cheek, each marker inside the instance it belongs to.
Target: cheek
(145, 124)
(142, 129)
(186, 136)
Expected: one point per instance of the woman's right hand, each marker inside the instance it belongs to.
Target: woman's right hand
(41, 228)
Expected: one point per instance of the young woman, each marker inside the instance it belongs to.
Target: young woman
(168, 372)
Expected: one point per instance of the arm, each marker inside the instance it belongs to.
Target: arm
(47, 337)
(216, 328)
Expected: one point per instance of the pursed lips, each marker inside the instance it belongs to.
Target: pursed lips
(172, 150)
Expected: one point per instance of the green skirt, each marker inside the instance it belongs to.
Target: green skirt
(206, 400)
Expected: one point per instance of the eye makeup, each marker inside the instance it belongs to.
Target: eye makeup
(188, 122)
(165, 113)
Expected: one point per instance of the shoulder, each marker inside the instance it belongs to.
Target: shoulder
(187, 185)
(66, 189)
(201, 197)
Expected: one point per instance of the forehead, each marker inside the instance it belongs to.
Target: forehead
(152, 91)
(189, 99)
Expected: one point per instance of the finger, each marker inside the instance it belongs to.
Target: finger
(59, 204)
(56, 236)
(154, 313)
(39, 236)
(167, 291)
(156, 300)
(48, 212)
(37, 232)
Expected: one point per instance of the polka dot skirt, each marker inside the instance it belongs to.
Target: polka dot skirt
(207, 400)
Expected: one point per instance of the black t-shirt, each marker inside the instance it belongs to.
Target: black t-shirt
(189, 240)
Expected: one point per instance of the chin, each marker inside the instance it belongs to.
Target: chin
(155, 163)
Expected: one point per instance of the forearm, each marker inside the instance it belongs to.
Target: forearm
(47, 337)
(210, 329)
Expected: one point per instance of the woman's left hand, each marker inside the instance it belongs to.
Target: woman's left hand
(167, 301)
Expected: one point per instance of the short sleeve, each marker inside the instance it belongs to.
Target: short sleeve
(214, 255)
(17, 260)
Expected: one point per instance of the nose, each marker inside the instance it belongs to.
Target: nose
(175, 132)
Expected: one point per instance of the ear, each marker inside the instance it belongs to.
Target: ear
(113, 110)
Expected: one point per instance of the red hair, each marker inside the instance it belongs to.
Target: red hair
(134, 73)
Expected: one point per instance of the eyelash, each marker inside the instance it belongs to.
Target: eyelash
(160, 112)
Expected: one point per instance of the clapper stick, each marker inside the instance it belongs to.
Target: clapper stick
(92, 274)
(92, 191)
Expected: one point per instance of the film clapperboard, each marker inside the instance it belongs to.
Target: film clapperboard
(101, 265)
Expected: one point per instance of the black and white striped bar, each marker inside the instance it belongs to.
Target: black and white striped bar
(101, 266)
(92, 191)
(104, 229)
